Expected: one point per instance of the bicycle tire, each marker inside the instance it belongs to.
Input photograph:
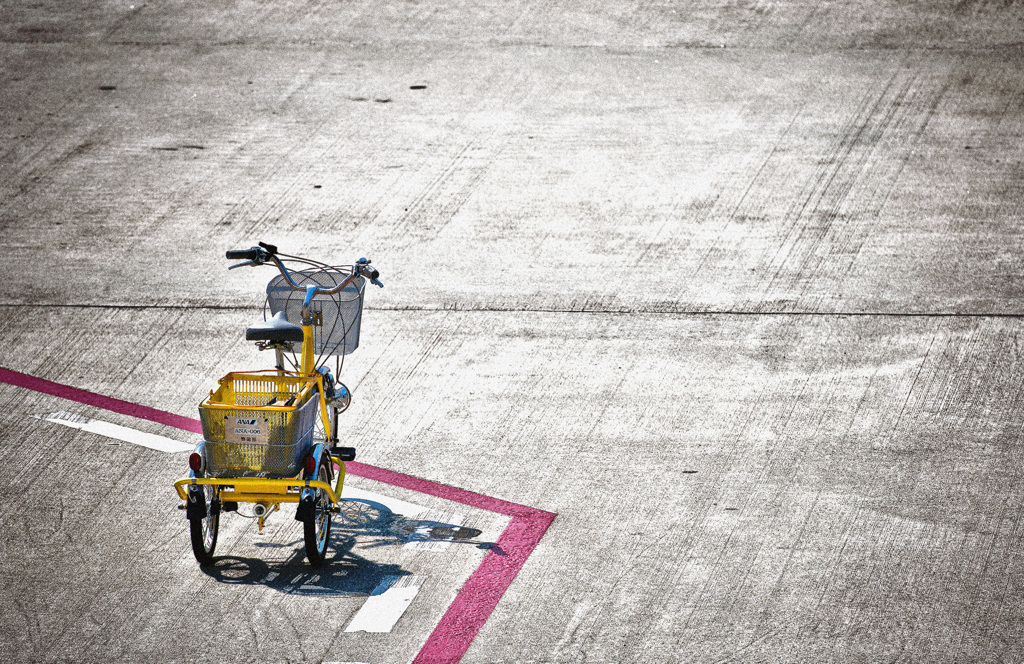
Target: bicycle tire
(203, 532)
(316, 529)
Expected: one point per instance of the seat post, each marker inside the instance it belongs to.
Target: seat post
(307, 347)
(307, 330)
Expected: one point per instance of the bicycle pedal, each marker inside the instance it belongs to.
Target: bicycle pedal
(344, 453)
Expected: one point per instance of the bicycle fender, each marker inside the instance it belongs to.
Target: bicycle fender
(195, 506)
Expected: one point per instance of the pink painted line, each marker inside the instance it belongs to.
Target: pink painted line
(442, 490)
(480, 594)
(99, 400)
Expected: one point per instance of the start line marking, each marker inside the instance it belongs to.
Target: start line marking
(117, 432)
(421, 538)
(386, 604)
(479, 595)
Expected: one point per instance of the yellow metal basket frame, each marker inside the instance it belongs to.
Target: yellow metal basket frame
(263, 490)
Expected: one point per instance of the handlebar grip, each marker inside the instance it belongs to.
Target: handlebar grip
(243, 254)
(374, 274)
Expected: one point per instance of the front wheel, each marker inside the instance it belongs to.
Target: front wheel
(317, 527)
(203, 531)
(330, 434)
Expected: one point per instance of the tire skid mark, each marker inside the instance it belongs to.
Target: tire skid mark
(43, 165)
(921, 394)
(810, 188)
(711, 579)
(429, 191)
(959, 396)
(274, 199)
(283, 193)
(957, 383)
(34, 159)
(740, 594)
(398, 387)
(836, 178)
(1018, 394)
(732, 474)
(850, 237)
(829, 579)
(739, 453)
(119, 23)
(1014, 535)
(847, 522)
(437, 203)
(781, 463)
(758, 637)
(160, 334)
(372, 200)
(877, 202)
(760, 177)
(299, 633)
(910, 392)
(971, 620)
(856, 151)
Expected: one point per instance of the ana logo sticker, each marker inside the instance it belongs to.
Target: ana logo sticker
(247, 430)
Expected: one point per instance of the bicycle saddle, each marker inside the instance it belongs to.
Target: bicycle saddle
(276, 329)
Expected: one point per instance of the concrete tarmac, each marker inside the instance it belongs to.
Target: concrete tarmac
(733, 288)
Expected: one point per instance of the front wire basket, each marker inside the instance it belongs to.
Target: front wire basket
(259, 424)
(336, 318)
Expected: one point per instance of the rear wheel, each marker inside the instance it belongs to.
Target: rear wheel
(317, 528)
(204, 531)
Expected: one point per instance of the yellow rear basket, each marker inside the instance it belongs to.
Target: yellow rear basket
(259, 424)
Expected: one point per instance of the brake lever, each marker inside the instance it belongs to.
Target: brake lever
(377, 283)
(253, 263)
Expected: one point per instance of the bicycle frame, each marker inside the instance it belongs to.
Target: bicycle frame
(246, 430)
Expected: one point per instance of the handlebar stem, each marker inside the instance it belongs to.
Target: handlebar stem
(311, 290)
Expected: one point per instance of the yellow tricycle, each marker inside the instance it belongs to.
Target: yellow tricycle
(270, 437)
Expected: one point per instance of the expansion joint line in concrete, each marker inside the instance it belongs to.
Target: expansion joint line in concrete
(551, 310)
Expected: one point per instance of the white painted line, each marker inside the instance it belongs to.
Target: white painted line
(396, 506)
(117, 432)
(426, 537)
(386, 604)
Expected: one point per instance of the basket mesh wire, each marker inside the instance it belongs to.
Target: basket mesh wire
(340, 314)
(284, 435)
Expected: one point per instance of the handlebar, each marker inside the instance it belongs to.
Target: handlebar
(243, 254)
(267, 252)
